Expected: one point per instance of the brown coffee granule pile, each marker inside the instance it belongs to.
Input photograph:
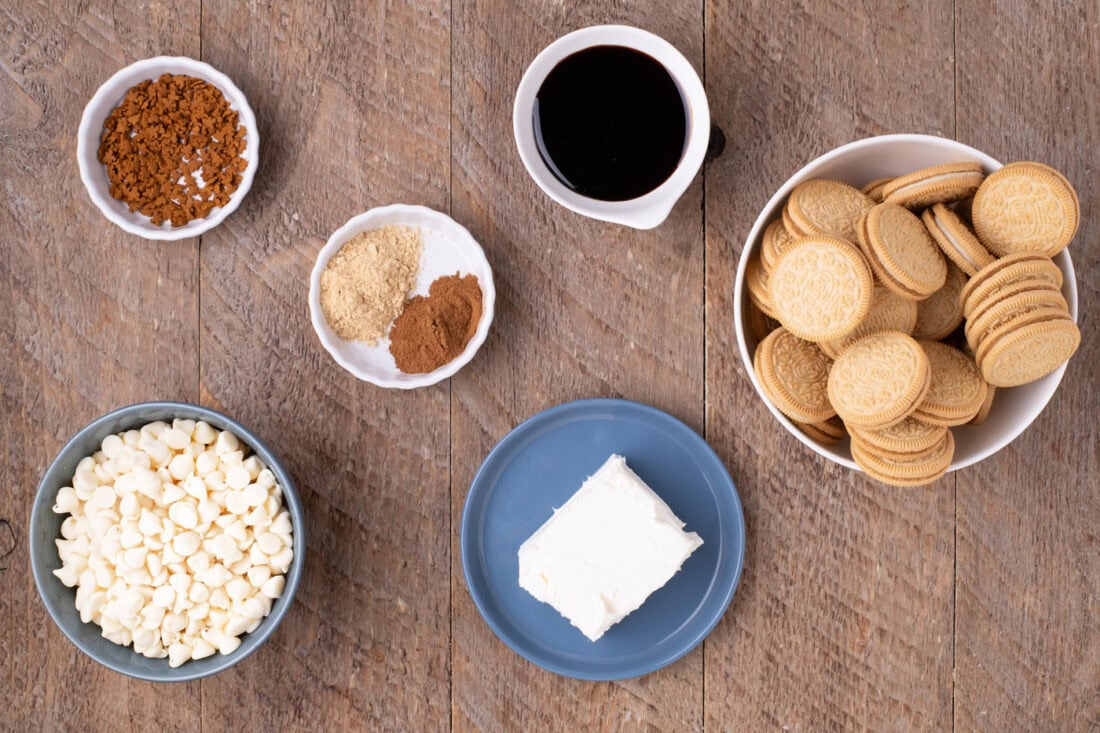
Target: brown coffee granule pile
(162, 133)
(434, 330)
(364, 285)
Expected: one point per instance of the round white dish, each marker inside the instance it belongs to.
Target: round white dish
(448, 248)
(108, 96)
(644, 212)
(857, 164)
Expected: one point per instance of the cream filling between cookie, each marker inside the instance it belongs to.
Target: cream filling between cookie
(936, 179)
(946, 233)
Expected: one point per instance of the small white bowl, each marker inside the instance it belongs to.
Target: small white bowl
(649, 210)
(858, 163)
(94, 174)
(448, 248)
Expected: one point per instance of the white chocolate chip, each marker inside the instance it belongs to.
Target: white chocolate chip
(253, 465)
(204, 433)
(258, 575)
(111, 445)
(237, 477)
(270, 543)
(226, 442)
(184, 513)
(181, 466)
(229, 644)
(274, 586)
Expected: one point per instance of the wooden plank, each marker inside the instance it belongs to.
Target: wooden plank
(584, 309)
(354, 110)
(93, 319)
(844, 614)
(1028, 620)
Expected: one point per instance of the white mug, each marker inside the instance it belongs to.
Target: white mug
(649, 210)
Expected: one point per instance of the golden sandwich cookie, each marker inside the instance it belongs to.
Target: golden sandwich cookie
(879, 380)
(996, 310)
(957, 391)
(756, 282)
(874, 189)
(955, 239)
(1028, 353)
(906, 254)
(825, 207)
(940, 314)
(908, 436)
(939, 184)
(819, 433)
(995, 324)
(1039, 266)
(821, 288)
(774, 243)
(1026, 207)
(907, 472)
(794, 374)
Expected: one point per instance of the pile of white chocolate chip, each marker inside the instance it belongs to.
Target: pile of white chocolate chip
(176, 542)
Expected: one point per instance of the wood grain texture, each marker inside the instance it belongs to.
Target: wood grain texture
(972, 604)
(92, 319)
(599, 311)
(353, 107)
(1028, 558)
(844, 614)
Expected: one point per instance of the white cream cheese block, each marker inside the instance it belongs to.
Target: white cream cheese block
(605, 550)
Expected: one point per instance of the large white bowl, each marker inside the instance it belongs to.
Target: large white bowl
(448, 248)
(858, 163)
(108, 96)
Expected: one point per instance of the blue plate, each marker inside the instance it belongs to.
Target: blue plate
(536, 468)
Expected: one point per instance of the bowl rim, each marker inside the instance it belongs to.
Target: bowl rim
(291, 501)
(90, 129)
(770, 210)
(363, 222)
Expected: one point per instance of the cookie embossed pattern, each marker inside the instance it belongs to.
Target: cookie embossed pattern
(927, 216)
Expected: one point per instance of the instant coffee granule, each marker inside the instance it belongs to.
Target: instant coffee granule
(172, 149)
(364, 285)
(433, 330)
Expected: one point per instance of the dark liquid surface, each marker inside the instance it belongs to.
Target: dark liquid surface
(610, 123)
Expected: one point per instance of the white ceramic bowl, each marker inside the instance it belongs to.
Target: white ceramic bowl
(644, 212)
(108, 96)
(448, 248)
(857, 164)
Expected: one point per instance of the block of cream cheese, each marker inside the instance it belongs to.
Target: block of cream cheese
(605, 550)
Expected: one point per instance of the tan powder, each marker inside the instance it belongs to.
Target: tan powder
(364, 285)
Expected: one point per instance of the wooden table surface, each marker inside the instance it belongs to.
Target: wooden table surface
(973, 603)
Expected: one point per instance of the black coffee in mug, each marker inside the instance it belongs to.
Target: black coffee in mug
(610, 123)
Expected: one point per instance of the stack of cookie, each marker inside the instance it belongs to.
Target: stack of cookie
(856, 298)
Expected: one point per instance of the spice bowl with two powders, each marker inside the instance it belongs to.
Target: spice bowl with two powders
(905, 305)
(168, 114)
(402, 296)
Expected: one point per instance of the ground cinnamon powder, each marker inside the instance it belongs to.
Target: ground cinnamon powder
(433, 330)
(160, 135)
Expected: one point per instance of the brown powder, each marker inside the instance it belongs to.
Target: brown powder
(364, 285)
(434, 330)
(162, 133)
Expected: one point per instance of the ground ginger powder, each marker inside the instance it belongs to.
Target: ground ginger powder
(364, 285)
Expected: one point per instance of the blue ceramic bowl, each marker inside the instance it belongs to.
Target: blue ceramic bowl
(46, 527)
